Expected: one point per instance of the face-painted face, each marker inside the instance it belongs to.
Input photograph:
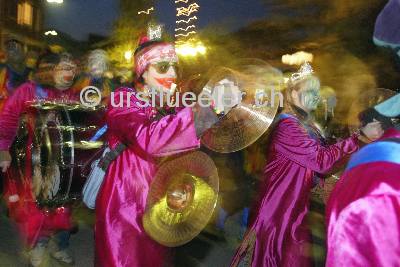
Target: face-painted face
(64, 74)
(309, 99)
(161, 76)
(15, 52)
(97, 63)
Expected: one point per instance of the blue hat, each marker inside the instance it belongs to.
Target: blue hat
(390, 108)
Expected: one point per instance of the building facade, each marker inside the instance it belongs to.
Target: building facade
(22, 20)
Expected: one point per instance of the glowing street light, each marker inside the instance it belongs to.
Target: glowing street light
(55, 1)
(297, 58)
(54, 33)
(128, 55)
(191, 49)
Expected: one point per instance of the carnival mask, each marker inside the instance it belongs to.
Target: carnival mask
(64, 74)
(97, 63)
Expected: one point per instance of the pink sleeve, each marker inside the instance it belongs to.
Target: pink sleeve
(293, 141)
(366, 233)
(170, 135)
(11, 113)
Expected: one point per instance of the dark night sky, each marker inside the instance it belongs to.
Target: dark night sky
(80, 17)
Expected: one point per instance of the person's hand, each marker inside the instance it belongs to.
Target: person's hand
(364, 139)
(5, 160)
(225, 96)
(372, 131)
(204, 119)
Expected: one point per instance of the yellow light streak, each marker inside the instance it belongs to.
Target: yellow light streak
(186, 21)
(146, 12)
(187, 28)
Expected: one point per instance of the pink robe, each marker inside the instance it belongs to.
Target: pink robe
(120, 238)
(363, 211)
(278, 234)
(32, 221)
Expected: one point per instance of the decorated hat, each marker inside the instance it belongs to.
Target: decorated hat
(152, 50)
(390, 108)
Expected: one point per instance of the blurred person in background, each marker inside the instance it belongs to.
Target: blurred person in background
(14, 71)
(96, 68)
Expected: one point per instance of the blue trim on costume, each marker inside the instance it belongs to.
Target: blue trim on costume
(375, 152)
(283, 116)
(99, 133)
(40, 92)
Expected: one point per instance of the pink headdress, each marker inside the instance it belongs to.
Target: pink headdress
(151, 50)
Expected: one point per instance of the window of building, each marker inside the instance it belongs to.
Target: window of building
(11, 9)
(25, 14)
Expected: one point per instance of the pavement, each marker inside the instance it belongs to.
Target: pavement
(212, 248)
(13, 254)
(205, 250)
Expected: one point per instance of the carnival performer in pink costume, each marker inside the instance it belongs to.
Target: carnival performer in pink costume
(363, 211)
(278, 234)
(55, 76)
(120, 238)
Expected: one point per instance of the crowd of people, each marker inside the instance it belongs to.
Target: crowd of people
(362, 214)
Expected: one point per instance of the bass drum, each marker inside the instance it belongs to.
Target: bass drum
(57, 138)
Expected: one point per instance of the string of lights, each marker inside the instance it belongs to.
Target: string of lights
(186, 21)
(187, 44)
(186, 34)
(186, 29)
(147, 12)
(187, 11)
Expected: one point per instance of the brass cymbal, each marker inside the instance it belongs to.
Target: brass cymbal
(261, 87)
(366, 100)
(181, 200)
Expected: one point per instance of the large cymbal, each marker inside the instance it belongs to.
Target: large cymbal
(366, 100)
(181, 200)
(260, 86)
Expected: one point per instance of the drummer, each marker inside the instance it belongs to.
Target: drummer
(53, 80)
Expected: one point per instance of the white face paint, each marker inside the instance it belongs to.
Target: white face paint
(64, 74)
(309, 99)
(97, 63)
(161, 76)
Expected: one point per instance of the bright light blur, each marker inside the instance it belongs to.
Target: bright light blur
(297, 58)
(55, 1)
(128, 55)
(191, 49)
(54, 33)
